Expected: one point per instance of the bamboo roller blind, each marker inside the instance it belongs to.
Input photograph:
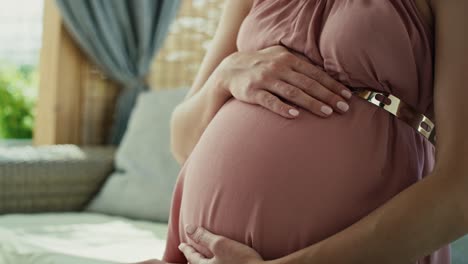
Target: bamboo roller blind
(177, 62)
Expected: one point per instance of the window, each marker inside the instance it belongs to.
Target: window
(20, 42)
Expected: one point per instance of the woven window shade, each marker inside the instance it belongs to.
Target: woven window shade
(189, 37)
(100, 97)
(175, 66)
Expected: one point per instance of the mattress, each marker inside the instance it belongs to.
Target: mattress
(84, 238)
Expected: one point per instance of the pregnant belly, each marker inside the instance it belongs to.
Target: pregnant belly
(279, 185)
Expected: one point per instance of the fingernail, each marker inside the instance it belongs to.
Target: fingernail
(346, 93)
(293, 112)
(189, 229)
(343, 106)
(326, 109)
(180, 246)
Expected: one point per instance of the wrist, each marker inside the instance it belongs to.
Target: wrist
(216, 86)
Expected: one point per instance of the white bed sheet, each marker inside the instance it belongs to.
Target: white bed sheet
(84, 238)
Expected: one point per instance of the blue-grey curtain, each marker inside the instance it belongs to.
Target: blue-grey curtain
(121, 37)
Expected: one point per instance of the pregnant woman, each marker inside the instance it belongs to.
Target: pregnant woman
(278, 157)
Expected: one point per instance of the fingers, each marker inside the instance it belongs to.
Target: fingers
(298, 97)
(218, 245)
(192, 255)
(320, 76)
(283, 75)
(314, 89)
(305, 84)
(202, 237)
(274, 104)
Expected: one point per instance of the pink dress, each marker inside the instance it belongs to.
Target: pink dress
(280, 185)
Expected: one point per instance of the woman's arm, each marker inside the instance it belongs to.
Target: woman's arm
(434, 211)
(192, 116)
(424, 217)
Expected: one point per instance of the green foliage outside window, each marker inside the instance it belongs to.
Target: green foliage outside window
(17, 92)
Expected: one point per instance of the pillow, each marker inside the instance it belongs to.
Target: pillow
(142, 184)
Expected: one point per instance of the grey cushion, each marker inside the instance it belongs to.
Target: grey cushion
(142, 185)
(460, 251)
(51, 178)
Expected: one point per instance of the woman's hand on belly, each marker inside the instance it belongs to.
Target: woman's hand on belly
(260, 77)
(223, 249)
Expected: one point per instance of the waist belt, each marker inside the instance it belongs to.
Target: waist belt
(401, 110)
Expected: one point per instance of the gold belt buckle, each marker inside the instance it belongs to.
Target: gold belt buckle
(402, 111)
